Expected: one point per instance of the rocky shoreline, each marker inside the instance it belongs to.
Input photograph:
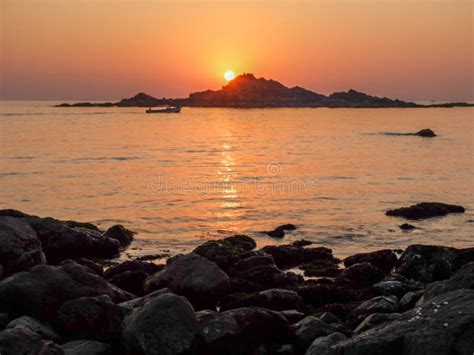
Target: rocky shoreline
(60, 295)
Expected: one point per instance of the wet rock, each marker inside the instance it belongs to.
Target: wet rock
(130, 275)
(301, 243)
(409, 300)
(428, 133)
(324, 345)
(375, 319)
(43, 330)
(227, 251)
(308, 329)
(318, 295)
(321, 268)
(95, 318)
(287, 256)
(407, 227)
(443, 326)
(364, 274)
(20, 247)
(61, 242)
(201, 281)
(274, 299)
(40, 291)
(21, 340)
(384, 260)
(87, 347)
(426, 263)
(121, 234)
(425, 210)
(242, 330)
(279, 232)
(85, 225)
(165, 325)
(462, 279)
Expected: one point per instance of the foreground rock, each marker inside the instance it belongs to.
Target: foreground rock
(242, 330)
(21, 340)
(425, 210)
(443, 326)
(20, 247)
(166, 325)
(201, 281)
(40, 291)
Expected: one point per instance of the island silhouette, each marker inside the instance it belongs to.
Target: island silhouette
(247, 91)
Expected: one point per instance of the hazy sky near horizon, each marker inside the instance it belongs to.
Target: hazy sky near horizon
(106, 49)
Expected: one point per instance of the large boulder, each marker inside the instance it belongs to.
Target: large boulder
(426, 263)
(96, 318)
(242, 330)
(274, 299)
(45, 331)
(384, 260)
(462, 279)
(425, 210)
(225, 252)
(201, 281)
(287, 256)
(364, 274)
(62, 242)
(166, 325)
(20, 340)
(130, 275)
(40, 291)
(445, 325)
(20, 247)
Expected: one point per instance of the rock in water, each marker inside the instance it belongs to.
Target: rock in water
(120, 233)
(201, 281)
(425, 133)
(40, 291)
(406, 227)
(20, 247)
(425, 210)
(166, 325)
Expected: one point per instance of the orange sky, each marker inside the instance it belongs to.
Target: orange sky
(109, 49)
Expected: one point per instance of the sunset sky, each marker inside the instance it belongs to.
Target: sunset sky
(106, 49)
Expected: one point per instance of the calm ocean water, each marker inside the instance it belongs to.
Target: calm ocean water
(180, 179)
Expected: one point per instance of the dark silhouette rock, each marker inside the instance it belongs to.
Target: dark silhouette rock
(91, 265)
(364, 274)
(425, 210)
(321, 268)
(308, 329)
(20, 247)
(462, 257)
(462, 279)
(40, 291)
(301, 243)
(325, 345)
(130, 275)
(45, 331)
(21, 340)
(242, 330)
(425, 133)
(384, 260)
(407, 227)
(201, 281)
(165, 325)
(274, 299)
(87, 347)
(120, 233)
(448, 330)
(227, 251)
(426, 263)
(287, 256)
(96, 318)
(318, 295)
(279, 232)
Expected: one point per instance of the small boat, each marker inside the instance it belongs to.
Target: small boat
(168, 109)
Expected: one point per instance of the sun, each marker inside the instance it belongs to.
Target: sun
(229, 75)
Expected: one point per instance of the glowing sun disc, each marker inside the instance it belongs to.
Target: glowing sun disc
(229, 75)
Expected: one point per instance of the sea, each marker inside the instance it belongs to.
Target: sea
(178, 180)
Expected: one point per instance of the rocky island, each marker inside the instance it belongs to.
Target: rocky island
(246, 91)
(60, 293)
